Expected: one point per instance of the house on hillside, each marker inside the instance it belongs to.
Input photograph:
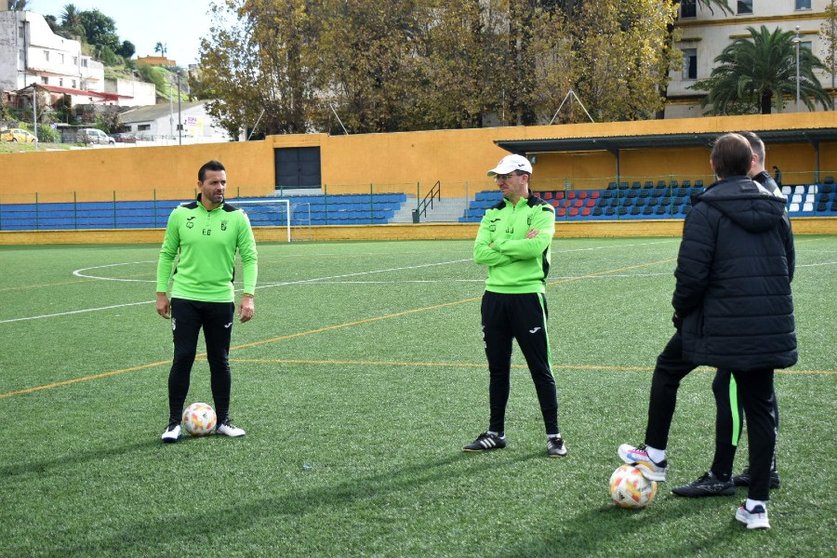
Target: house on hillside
(30, 53)
(159, 122)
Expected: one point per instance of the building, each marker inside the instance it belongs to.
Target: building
(30, 53)
(705, 34)
(159, 123)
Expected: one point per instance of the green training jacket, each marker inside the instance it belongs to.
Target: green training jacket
(207, 242)
(516, 264)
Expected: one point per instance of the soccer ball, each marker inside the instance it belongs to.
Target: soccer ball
(199, 419)
(629, 489)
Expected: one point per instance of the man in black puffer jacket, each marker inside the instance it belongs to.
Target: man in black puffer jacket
(733, 309)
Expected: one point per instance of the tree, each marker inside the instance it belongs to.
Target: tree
(18, 5)
(261, 66)
(99, 29)
(753, 74)
(161, 48)
(127, 50)
(71, 23)
(828, 31)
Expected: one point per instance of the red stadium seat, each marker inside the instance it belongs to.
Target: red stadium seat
(595, 194)
(590, 202)
(571, 194)
(559, 195)
(578, 203)
(582, 195)
(586, 211)
(561, 212)
(574, 212)
(547, 195)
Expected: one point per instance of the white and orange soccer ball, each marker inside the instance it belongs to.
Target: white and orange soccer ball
(629, 489)
(199, 419)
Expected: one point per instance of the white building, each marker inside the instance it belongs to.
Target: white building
(705, 34)
(31, 53)
(159, 123)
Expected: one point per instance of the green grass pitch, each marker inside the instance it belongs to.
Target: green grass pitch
(358, 382)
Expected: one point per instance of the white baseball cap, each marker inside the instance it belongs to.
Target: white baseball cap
(511, 163)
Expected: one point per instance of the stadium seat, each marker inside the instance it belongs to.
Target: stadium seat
(822, 207)
(610, 211)
(635, 185)
(829, 180)
(560, 195)
(796, 198)
(578, 202)
(547, 195)
(597, 212)
(698, 183)
(644, 193)
(786, 191)
(632, 193)
(589, 202)
(582, 194)
(827, 188)
(611, 185)
(807, 207)
(571, 195)
(687, 184)
(673, 183)
(793, 208)
(647, 210)
(834, 206)
(813, 188)
(555, 203)
(622, 211)
(561, 212)
(662, 184)
(585, 212)
(636, 210)
(648, 184)
(798, 190)
(661, 210)
(595, 194)
(573, 212)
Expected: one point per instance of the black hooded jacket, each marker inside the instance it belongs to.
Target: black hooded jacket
(734, 271)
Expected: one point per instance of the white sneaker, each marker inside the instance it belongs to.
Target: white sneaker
(172, 433)
(753, 519)
(227, 428)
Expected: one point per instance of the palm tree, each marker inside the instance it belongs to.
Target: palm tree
(161, 48)
(18, 5)
(752, 73)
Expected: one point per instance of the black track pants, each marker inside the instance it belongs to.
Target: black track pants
(187, 319)
(523, 317)
(729, 421)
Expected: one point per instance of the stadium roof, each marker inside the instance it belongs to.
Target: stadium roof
(617, 143)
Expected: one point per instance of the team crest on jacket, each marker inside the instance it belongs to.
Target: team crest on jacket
(223, 225)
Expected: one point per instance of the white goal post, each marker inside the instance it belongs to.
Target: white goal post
(267, 213)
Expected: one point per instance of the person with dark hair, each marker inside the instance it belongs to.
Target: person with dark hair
(204, 237)
(719, 481)
(733, 310)
(777, 176)
(514, 241)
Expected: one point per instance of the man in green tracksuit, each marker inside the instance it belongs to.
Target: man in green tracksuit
(514, 241)
(206, 234)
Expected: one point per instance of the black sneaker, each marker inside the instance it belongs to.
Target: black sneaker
(486, 441)
(744, 478)
(555, 446)
(707, 485)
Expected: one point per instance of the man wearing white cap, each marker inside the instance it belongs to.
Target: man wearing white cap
(514, 241)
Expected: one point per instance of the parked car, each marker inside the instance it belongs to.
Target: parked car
(94, 135)
(124, 137)
(17, 135)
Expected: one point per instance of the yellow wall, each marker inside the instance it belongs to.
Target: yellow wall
(392, 162)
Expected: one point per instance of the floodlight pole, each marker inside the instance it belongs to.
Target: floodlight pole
(796, 40)
(35, 112)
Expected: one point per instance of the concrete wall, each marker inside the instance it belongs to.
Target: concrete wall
(396, 162)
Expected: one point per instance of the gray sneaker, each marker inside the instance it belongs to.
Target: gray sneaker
(706, 485)
(755, 518)
(555, 446)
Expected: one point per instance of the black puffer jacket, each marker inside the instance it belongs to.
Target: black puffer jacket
(734, 270)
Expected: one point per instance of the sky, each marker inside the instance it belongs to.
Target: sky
(178, 24)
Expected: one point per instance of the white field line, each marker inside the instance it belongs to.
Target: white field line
(337, 279)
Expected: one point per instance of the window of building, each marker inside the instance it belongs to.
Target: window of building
(61, 82)
(74, 84)
(84, 62)
(46, 55)
(689, 63)
(21, 31)
(45, 80)
(143, 127)
(688, 8)
(61, 57)
(745, 6)
(806, 44)
(75, 60)
(802, 5)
